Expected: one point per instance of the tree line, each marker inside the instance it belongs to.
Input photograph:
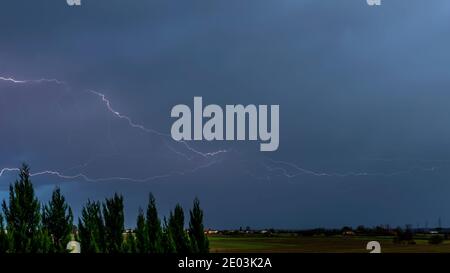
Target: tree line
(27, 226)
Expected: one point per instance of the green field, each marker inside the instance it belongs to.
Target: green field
(290, 243)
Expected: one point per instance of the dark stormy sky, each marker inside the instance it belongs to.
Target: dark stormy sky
(364, 95)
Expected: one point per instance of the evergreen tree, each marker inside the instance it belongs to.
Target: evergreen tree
(57, 219)
(91, 228)
(100, 227)
(4, 240)
(141, 234)
(167, 242)
(23, 215)
(45, 242)
(114, 223)
(199, 241)
(153, 227)
(177, 232)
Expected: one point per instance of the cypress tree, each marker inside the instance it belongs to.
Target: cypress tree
(153, 227)
(57, 219)
(23, 214)
(177, 232)
(91, 228)
(199, 241)
(114, 223)
(45, 242)
(167, 242)
(141, 234)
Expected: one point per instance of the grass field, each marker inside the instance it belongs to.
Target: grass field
(290, 243)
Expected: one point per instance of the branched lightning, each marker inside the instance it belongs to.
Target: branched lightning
(112, 178)
(121, 116)
(273, 167)
(132, 124)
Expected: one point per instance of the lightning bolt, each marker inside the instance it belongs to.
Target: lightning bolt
(43, 80)
(132, 124)
(277, 166)
(112, 178)
(4, 170)
(281, 168)
(117, 114)
(141, 127)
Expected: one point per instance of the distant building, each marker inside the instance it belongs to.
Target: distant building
(211, 231)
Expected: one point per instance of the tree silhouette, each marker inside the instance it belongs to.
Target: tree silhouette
(91, 228)
(22, 215)
(45, 242)
(57, 219)
(141, 234)
(199, 241)
(114, 223)
(153, 227)
(167, 242)
(23, 229)
(177, 232)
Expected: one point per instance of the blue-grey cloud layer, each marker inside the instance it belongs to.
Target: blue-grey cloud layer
(361, 89)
